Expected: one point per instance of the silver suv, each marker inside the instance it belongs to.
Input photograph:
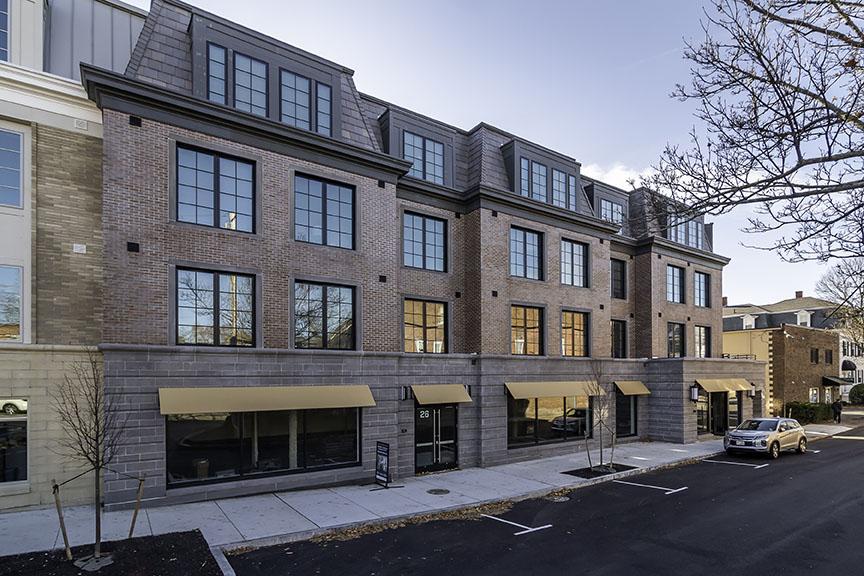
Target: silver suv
(767, 435)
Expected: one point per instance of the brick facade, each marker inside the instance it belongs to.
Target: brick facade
(794, 373)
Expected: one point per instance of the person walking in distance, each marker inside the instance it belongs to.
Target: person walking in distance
(837, 406)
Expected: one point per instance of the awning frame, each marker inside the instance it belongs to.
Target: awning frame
(440, 394)
(528, 390)
(632, 387)
(724, 384)
(214, 400)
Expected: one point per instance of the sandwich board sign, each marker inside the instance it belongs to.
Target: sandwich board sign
(382, 463)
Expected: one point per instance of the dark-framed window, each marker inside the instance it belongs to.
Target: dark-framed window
(532, 421)
(619, 339)
(829, 356)
(538, 182)
(675, 344)
(814, 355)
(11, 293)
(4, 30)
(696, 234)
(424, 242)
(217, 79)
(677, 229)
(526, 330)
(425, 326)
(215, 190)
(702, 340)
(574, 263)
(13, 439)
(323, 212)
(250, 84)
(426, 155)
(702, 289)
(559, 188)
(533, 180)
(324, 316)
(11, 168)
(619, 279)
(626, 414)
(203, 448)
(526, 254)
(572, 191)
(611, 211)
(574, 333)
(215, 308)
(674, 284)
(296, 95)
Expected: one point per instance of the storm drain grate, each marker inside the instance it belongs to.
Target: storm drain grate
(437, 491)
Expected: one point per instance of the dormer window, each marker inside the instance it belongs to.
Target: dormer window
(427, 156)
(611, 211)
(802, 318)
(297, 103)
(216, 86)
(4, 31)
(695, 234)
(749, 322)
(250, 85)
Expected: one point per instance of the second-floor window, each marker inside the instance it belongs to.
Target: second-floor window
(250, 85)
(215, 308)
(675, 284)
(424, 242)
(10, 304)
(526, 254)
(702, 289)
(619, 339)
(574, 333)
(611, 211)
(425, 327)
(305, 103)
(814, 355)
(10, 168)
(574, 263)
(214, 190)
(829, 356)
(675, 340)
(619, 279)
(702, 339)
(323, 212)
(427, 157)
(526, 330)
(323, 316)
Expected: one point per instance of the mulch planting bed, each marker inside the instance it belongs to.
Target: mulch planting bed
(180, 553)
(598, 471)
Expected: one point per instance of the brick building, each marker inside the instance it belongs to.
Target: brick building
(295, 271)
(50, 226)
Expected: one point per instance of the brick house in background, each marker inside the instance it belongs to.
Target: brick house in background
(798, 340)
(294, 271)
(50, 225)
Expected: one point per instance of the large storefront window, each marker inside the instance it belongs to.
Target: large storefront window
(13, 440)
(702, 412)
(541, 420)
(202, 447)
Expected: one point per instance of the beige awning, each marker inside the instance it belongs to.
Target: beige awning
(632, 387)
(521, 390)
(725, 385)
(261, 398)
(440, 394)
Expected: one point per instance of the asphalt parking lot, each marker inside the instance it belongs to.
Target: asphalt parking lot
(742, 514)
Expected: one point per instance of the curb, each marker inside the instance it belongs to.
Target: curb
(308, 534)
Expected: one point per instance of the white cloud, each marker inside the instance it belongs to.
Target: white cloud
(618, 174)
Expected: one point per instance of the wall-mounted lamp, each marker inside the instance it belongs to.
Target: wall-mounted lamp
(694, 392)
(752, 391)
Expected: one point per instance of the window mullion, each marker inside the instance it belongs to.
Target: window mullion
(216, 190)
(217, 297)
(324, 304)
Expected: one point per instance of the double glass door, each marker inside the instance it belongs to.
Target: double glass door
(435, 437)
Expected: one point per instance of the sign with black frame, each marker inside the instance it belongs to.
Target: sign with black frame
(382, 463)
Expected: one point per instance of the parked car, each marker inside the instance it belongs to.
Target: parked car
(14, 405)
(573, 421)
(767, 435)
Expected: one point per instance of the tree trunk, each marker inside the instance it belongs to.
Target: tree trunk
(97, 550)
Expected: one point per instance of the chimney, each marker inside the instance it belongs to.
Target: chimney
(725, 301)
(799, 294)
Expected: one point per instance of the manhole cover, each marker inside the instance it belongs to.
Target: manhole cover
(557, 498)
(438, 491)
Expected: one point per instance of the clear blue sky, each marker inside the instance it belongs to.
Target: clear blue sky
(590, 79)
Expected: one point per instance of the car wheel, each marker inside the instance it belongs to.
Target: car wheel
(10, 409)
(774, 451)
(802, 446)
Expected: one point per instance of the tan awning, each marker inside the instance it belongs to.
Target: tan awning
(521, 390)
(632, 387)
(261, 398)
(725, 385)
(440, 394)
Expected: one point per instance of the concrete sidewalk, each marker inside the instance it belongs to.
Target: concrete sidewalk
(285, 516)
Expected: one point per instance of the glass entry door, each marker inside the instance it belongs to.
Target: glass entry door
(435, 437)
(719, 413)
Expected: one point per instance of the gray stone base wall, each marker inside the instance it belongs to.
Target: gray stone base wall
(135, 374)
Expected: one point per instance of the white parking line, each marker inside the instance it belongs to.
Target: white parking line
(525, 529)
(756, 466)
(666, 490)
(850, 437)
(677, 450)
(815, 451)
(639, 458)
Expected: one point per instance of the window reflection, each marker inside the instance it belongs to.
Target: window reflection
(13, 439)
(542, 420)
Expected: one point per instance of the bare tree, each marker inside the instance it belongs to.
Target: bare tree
(843, 284)
(600, 405)
(92, 423)
(779, 90)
